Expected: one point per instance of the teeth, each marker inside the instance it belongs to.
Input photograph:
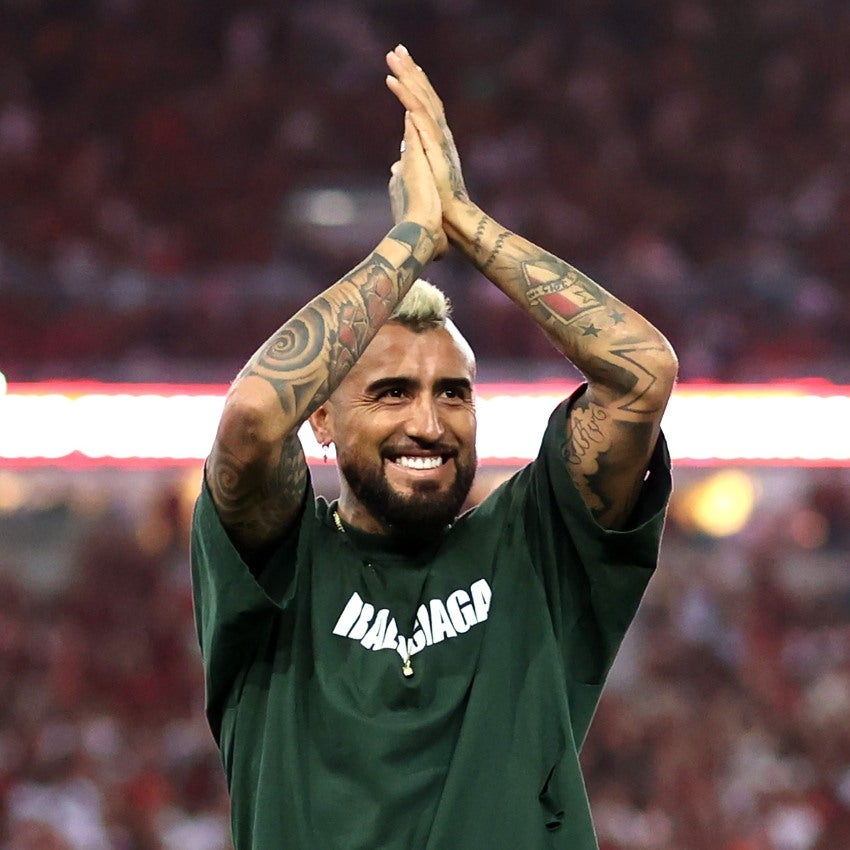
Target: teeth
(420, 462)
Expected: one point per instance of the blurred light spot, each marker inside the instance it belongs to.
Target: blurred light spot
(719, 505)
(12, 492)
(330, 208)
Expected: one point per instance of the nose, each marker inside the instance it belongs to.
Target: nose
(424, 422)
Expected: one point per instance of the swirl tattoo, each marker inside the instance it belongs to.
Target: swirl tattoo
(257, 480)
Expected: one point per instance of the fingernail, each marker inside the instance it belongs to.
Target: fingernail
(402, 49)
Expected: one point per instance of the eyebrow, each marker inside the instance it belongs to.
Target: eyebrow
(377, 387)
(454, 384)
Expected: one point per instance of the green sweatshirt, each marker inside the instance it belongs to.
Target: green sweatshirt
(510, 620)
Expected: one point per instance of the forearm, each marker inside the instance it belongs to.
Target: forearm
(621, 353)
(256, 470)
(629, 365)
(302, 363)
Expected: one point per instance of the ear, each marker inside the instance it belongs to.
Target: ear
(321, 421)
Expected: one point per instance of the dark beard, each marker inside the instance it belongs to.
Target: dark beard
(424, 513)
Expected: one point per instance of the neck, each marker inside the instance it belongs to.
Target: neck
(362, 521)
(413, 548)
(354, 514)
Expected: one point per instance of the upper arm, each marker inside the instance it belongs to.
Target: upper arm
(257, 483)
(610, 440)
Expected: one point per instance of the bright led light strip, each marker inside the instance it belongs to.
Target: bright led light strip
(87, 424)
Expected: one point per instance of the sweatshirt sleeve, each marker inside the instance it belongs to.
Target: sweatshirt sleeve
(235, 608)
(593, 577)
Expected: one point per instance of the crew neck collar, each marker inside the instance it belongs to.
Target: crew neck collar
(393, 545)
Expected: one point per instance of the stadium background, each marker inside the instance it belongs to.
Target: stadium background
(177, 177)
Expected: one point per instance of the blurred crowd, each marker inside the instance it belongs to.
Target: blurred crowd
(724, 725)
(103, 741)
(690, 155)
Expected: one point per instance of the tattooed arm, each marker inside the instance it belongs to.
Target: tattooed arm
(256, 471)
(629, 365)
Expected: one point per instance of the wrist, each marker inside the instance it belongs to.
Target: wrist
(460, 219)
(426, 224)
(421, 239)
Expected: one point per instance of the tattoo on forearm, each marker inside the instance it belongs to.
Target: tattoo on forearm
(287, 361)
(622, 369)
(356, 323)
(569, 299)
(304, 362)
(408, 233)
(380, 293)
(560, 290)
(477, 241)
(415, 237)
(346, 341)
(315, 349)
(497, 249)
(410, 268)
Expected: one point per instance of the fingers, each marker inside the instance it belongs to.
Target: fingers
(429, 141)
(409, 100)
(421, 139)
(414, 162)
(425, 111)
(406, 71)
(413, 189)
(417, 95)
(411, 145)
(425, 122)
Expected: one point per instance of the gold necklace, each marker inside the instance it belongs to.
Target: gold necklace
(406, 667)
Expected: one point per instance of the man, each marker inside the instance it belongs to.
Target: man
(381, 673)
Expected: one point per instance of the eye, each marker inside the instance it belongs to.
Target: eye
(392, 393)
(455, 394)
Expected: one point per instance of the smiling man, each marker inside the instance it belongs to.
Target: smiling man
(381, 673)
(403, 422)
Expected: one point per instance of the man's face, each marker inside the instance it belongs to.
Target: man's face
(403, 422)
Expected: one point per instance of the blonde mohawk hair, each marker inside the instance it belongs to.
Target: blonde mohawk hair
(424, 306)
